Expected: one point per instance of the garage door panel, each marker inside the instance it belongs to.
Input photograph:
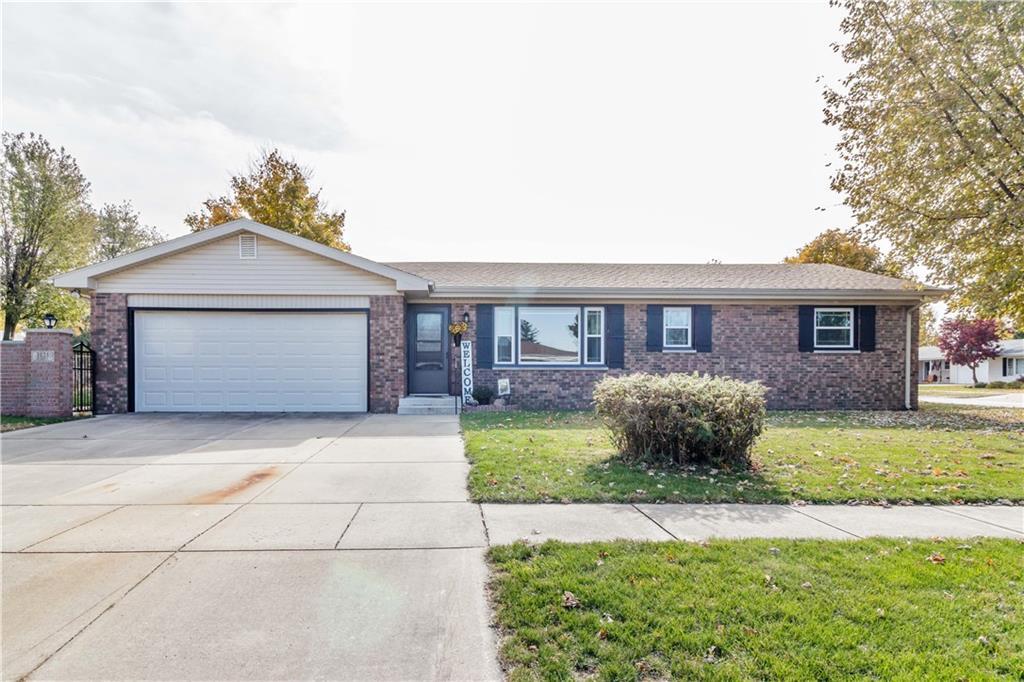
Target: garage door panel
(246, 361)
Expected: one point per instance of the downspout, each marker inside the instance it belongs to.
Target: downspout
(909, 365)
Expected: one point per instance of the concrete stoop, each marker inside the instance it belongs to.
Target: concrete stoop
(429, 404)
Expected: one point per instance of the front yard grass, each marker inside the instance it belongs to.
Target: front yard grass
(761, 609)
(16, 423)
(940, 454)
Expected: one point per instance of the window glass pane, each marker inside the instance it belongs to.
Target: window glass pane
(832, 337)
(504, 353)
(593, 322)
(549, 335)
(594, 349)
(833, 319)
(428, 326)
(677, 337)
(677, 317)
(504, 321)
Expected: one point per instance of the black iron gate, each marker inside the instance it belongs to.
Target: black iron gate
(83, 390)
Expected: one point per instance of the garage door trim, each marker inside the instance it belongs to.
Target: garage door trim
(270, 311)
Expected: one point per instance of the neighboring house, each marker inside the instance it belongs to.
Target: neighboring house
(244, 317)
(932, 367)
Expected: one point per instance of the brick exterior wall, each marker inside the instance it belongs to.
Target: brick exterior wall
(749, 342)
(109, 338)
(13, 377)
(40, 387)
(387, 352)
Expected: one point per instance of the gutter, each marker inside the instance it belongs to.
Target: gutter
(907, 352)
(690, 294)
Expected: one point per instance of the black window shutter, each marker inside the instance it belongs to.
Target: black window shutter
(1006, 367)
(806, 316)
(702, 328)
(866, 328)
(655, 333)
(614, 336)
(484, 335)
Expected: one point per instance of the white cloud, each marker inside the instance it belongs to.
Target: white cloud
(538, 132)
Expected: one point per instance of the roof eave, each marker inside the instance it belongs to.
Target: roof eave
(908, 295)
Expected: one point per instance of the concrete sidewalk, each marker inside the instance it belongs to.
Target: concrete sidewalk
(508, 523)
(1009, 400)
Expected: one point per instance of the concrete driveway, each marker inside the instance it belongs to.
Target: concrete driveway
(242, 547)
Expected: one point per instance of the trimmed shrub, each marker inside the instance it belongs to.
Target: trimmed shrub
(981, 384)
(483, 394)
(682, 418)
(998, 384)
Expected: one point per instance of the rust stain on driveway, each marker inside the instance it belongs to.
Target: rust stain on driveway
(229, 491)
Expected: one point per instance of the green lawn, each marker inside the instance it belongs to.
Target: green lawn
(941, 453)
(15, 423)
(962, 391)
(762, 610)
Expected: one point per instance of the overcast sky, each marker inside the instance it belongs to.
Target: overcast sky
(570, 132)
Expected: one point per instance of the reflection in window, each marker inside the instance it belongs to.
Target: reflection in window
(549, 335)
(677, 328)
(504, 333)
(833, 327)
(595, 336)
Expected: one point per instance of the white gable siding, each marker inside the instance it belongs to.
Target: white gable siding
(215, 268)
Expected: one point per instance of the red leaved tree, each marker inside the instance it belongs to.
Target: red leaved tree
(969, 342)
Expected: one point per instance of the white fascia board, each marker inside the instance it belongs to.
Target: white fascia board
(85, 278)
(692, 295)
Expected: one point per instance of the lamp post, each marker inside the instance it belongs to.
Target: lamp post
(49, 319)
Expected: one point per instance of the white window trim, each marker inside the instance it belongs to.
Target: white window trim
(513, 338)
(519, 337)
(832, 346)
(664, 328)
(587, 335)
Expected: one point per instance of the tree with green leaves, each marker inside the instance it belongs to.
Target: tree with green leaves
(44, 220)
(927, 331)
(527, 332)
(932, 141)
(276, 192)
(119, 230)
(848, 249)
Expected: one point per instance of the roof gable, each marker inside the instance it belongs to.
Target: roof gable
(87, 277)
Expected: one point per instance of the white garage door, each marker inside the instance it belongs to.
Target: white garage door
(224, 361)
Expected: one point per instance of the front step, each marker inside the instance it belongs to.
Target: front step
(428, 404)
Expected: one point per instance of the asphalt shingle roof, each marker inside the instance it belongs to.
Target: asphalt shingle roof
(650, 276)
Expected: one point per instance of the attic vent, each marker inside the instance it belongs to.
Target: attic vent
(247, 246)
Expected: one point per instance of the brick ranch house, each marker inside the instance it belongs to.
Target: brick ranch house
(244, 317)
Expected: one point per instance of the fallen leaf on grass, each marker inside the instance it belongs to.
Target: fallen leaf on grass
(936, 558)
(569, 600)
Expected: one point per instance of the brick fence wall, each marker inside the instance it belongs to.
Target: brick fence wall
(36, 374)
(749, 342)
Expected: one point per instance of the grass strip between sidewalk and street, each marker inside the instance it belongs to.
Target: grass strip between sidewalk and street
(761, 609)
